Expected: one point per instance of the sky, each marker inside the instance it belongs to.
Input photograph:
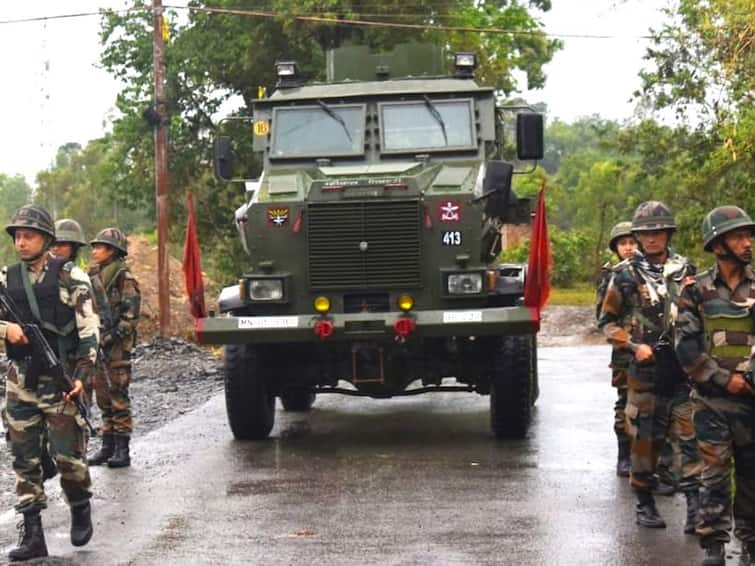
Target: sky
(53, 91)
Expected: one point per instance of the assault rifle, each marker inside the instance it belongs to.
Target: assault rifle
(43, 357)
(111, 332)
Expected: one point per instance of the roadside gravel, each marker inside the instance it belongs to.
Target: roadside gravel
(171, 376)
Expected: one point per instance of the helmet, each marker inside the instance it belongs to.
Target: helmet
(112, 237)
(69, 231)
(724, 219)
(34, 217)
(653, 215)
(617, 232)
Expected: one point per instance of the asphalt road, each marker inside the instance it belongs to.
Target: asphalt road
(415, 480)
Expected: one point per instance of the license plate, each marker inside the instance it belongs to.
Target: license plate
(255, 322)
(462, 316)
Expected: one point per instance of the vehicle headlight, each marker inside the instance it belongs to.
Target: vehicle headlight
(464, 283)
(265, 289)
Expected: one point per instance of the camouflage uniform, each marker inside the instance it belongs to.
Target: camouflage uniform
(30, 413)
(620, 359)
(121, 292)
(641, 293)
(715, 333)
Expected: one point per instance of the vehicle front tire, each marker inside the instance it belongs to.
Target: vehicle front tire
(249, 404)
(513, 387)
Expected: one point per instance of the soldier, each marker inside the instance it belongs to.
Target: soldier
(109, 248)
(715, 333)
(69, 238)
(55, 293)
(623, 244)
(641, 291)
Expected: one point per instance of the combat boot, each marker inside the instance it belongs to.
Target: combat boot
(81, 523)
(714, 555)
(693, 511)
(121, 457)
(647, 514)
(624, 462)
(31, 543)
(105, 451)
(49, 469)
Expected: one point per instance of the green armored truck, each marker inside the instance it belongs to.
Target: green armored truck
(373, 234)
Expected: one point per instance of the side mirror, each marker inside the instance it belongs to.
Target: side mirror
(529, 136)
(223, 158)
(497, 184)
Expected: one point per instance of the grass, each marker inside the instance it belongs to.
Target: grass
(581, 295)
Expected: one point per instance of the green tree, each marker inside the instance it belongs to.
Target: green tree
(84, 184)
(214, 57)
(701, 68)
(14, 193)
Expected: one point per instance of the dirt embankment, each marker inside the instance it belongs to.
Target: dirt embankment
(142, 260)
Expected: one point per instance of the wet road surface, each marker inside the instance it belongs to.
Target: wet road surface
(415, 480)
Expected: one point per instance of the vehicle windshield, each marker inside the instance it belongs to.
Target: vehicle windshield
(427, 125)
(318, 131)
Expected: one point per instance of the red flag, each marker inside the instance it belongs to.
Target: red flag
(192, 266)
(537, 285)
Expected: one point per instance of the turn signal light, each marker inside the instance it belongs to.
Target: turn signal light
(405, 302)
(322, 304)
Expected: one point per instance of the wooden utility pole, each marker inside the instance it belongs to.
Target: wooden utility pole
(161, 167)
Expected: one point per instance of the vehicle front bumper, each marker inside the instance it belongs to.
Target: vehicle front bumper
(226, 329)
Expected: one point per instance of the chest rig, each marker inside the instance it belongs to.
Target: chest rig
(40, 303)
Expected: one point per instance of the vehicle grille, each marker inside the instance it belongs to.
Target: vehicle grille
(390, 231)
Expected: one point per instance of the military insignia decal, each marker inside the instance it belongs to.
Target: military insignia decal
(449, 211)
(278, 216)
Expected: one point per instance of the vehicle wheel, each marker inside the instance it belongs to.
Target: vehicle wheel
(248, 401)
(512, 386)
(297, 400)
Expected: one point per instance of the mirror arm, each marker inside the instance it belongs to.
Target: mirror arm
(483, 196)
(534, 166)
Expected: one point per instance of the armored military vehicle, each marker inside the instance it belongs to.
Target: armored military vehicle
(372, 235)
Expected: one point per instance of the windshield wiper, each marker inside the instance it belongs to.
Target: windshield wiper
(438, 118)
(329, 111)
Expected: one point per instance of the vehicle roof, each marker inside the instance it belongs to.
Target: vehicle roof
(388, 87)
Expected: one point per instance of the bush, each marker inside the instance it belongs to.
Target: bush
(569, 249)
